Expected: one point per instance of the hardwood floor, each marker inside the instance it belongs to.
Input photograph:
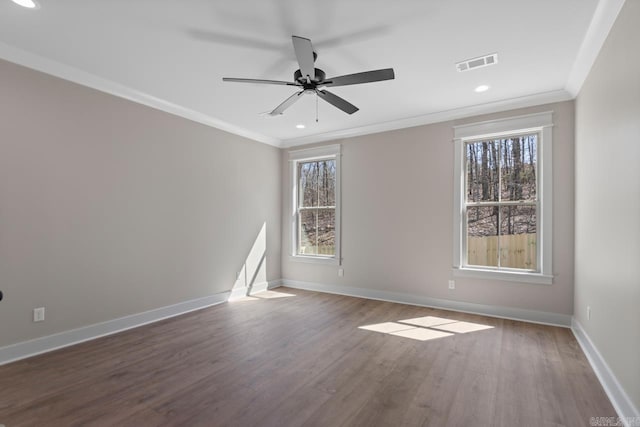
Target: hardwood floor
(304, 360)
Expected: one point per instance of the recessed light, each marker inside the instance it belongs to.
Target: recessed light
(482, 88)
(30, 4)
(301, 126)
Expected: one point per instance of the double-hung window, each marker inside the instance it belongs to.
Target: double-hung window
(315, 216)
(502, 217)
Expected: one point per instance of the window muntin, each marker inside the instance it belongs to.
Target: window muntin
(316, 182)
(501, 205)
(536, 123)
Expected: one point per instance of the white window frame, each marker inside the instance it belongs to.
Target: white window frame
(327, 152)
(542, 124)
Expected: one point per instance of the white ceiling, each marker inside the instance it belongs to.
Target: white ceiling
(172, 55)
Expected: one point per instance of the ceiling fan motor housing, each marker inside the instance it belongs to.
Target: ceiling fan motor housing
(320, 76)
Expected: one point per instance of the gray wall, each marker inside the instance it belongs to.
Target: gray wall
(109, 208)
(397, 207)
(607, 260)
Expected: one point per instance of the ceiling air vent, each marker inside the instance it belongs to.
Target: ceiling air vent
(479, 62)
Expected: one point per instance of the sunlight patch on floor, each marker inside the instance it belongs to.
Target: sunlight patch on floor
(271, 295)
(463, 327)
(426, 328)
(261, 295)
(427, 321)
(421, 334)
(386, 328)
(243, 299)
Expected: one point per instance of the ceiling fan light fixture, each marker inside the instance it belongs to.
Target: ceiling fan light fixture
(29, 4)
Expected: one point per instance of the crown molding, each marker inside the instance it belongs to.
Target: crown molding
(84, 78)
(75, 75)
(603, 19)
(437, 117)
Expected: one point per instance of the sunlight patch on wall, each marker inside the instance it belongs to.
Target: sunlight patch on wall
(254, 268)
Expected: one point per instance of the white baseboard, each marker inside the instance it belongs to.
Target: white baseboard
(274, 284)
(236, 293)
(25, 349)
(621, 402)
(22, 350)
(255, 288)
(554, 319)
(618, 397)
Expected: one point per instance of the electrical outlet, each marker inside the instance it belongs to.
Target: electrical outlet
(588, 312)
(341, 272)
(38, 314)
(452, 284)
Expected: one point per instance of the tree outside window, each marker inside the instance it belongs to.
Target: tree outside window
(503, 199)
(316, 210)
(501, 209)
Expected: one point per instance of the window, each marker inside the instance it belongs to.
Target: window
(503, 201)
(315, 202)
(500, 202)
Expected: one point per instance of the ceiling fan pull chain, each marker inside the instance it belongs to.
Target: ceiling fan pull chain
(316, 107)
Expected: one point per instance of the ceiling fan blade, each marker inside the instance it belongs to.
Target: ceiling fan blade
(287, 103)
(304, 54)
(269, 82)
(357, 78)
(336, 101)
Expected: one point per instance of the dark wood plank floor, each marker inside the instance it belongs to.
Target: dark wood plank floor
(303, 360)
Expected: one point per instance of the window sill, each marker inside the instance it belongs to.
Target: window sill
(511, 276)
(314, 259)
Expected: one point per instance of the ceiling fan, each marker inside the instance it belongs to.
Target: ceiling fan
(313, 80)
